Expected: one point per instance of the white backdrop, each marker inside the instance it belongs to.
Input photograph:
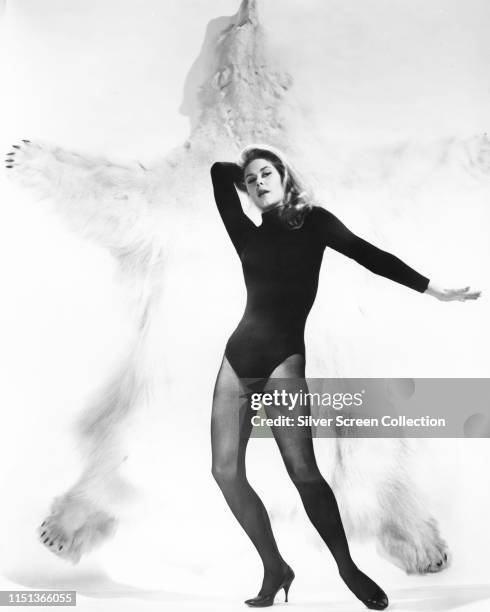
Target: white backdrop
(380, 80)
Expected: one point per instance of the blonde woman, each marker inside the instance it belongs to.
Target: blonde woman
(281, 262)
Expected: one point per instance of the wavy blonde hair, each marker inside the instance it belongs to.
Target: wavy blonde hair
(297, 199)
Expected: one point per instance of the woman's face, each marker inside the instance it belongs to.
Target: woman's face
(264, 184)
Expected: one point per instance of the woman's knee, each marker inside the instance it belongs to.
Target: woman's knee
(304, 473)
(224, 472)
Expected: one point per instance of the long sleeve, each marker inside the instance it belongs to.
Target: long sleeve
(338, 237)
(224, 175)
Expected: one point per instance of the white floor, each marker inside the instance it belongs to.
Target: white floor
(135, 569)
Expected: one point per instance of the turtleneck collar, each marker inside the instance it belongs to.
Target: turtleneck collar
(271, 218)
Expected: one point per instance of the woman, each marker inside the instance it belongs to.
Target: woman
(281, 261)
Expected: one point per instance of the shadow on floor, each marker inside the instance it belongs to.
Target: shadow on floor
(436, 598)
(439, 597)
(90, 583)
(96, 584)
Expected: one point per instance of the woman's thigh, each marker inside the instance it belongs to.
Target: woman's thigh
(288, 384)
(231, 420)
(292, 432)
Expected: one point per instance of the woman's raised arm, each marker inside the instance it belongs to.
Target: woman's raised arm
(225, 175)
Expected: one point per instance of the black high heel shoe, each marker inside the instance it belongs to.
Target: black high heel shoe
(377, 601)
(263, 601)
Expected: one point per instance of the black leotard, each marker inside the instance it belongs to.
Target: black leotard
(281, 268)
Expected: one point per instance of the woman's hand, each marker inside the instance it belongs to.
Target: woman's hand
(449, 295)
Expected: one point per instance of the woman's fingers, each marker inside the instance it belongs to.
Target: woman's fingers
(456, 291)
(461, 294)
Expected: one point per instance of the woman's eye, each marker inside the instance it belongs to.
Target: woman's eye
(250, 181)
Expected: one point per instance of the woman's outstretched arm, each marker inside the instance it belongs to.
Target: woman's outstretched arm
(225, 175)
(338, 237)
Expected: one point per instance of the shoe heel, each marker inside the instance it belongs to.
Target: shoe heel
(287, 584)
(262, 601)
